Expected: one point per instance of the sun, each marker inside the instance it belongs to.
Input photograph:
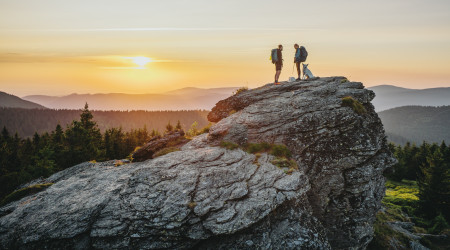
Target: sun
(140, 60)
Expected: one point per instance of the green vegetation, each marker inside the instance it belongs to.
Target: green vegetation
(22, 160)
(240, 90)
(28, 121)
(281, 152)
(348, 101)
(165, 151)
(19, 194)
(417, 190)
(228, 145)
(344, 80)
(194, 131)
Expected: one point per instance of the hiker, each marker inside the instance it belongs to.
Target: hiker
(297, 60)
(300, 56)
(278, 63)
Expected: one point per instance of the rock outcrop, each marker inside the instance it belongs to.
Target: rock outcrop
(209, 197)
(172, 139)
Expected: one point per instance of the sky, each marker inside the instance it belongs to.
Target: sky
(55, 47)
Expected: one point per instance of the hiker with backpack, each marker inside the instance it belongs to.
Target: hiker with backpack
(300, 56)
(277, 59)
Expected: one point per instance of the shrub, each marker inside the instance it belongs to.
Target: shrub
(439, 224)
(348, 101)
(240, 90)
(280, 151)
(165, 151)
(169, 127)
(344, 80)
(228, 145)
(19, 194)
(253, 148)
(288, 164)
(205, 129)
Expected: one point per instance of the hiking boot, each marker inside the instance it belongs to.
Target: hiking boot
(298, 79)
(277, 83)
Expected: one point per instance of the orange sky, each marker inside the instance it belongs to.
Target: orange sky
(59, 47)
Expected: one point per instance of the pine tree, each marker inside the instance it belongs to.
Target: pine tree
(84, 139)
(169, 127)
(434, 184)
(178, 126)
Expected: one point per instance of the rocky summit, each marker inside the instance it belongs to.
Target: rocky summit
(215, 194)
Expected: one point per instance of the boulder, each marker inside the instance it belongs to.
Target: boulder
(157, 143)
(209, 197)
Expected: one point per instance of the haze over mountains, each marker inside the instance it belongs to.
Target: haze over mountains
(417, 124)
(181, 99)
(414, 123)
(12, 101)
(388, 96)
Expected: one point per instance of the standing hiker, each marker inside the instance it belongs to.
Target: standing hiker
(300, 56)
(297, 60)
(277, 59)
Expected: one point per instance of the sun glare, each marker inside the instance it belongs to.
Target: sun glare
(140, 60)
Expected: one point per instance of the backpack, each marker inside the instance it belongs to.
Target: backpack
(303, 54)
(274, 56)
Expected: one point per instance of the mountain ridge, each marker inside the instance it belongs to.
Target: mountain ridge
(182, 99)
(389, 96)
(12, 101)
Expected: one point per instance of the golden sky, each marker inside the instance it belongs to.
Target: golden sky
(56, 47)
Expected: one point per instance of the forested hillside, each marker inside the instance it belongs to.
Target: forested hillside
(28, 121)
(417, 124)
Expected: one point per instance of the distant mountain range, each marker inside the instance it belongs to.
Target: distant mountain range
(417, 124)
(181, 99)
(408, 123)
(12, 101)
(388, 96)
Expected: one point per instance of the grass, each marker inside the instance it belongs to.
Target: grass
(383, 233)
(288, 165)
(400, 204)
(228, 145)
(281, 152)
(348, 101)
(165, 151)
(19, 194)
(240, 90)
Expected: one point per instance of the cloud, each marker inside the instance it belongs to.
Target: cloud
(102, 61)
(135, 29)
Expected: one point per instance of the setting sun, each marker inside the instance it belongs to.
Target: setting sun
(140, 60)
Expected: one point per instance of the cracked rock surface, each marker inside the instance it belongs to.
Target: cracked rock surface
(208, 197)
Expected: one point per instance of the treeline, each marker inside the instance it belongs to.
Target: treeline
(428, 165)
(28, 121)
(26, 159)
